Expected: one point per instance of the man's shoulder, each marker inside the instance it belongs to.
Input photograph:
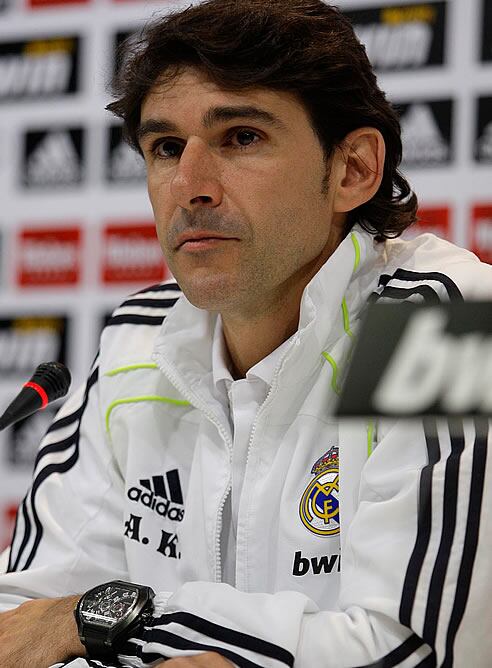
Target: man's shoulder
(428, 261)
(130, 332)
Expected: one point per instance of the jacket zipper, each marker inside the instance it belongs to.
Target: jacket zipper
(270, 393)
(195, 401)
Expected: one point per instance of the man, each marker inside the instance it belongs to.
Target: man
(203, 458)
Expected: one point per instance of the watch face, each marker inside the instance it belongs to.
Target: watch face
(109, 605)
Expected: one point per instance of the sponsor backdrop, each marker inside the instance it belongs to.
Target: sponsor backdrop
(76, 230)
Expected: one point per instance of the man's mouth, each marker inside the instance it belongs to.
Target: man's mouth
(200, 240)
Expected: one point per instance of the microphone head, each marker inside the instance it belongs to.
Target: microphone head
(54, 378)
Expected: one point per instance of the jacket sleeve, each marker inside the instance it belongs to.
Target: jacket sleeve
(61, 546)
(415, 585)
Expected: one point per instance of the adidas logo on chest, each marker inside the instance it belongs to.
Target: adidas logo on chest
(160, 493)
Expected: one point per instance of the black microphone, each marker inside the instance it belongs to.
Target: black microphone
(50, 381)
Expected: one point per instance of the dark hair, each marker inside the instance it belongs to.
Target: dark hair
(301, 46)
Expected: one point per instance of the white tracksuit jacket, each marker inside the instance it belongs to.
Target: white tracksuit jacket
(131, 480)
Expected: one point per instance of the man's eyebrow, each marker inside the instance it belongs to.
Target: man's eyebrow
(220, 114)
(154, 126)
(212, 117)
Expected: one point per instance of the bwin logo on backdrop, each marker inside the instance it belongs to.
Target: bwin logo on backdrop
(160, 493)
(53, 158)
(486, 23)
(39, 68)
(402, 37)
(426, 133)
(25, 341)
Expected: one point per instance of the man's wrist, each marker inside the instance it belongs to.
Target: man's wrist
(64, 608)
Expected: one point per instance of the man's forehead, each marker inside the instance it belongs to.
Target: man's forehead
(191, 86)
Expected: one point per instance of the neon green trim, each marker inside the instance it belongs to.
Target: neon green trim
(370, 436)
(136, 400)
(334, 367)
(346, 321)
(130, 367)
(355, 241)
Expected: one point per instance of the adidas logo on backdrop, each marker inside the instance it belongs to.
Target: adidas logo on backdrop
(123, 164)
(484, 144)
(483, 131)
(426, 133)
(160, 493)
(53, 157)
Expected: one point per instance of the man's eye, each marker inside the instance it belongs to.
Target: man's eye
(167, 149)
(245, 138)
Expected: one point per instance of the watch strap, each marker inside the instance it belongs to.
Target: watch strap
(95, 644)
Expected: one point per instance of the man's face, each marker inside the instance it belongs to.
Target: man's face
(237, 182)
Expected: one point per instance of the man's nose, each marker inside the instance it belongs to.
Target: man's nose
(196, 180)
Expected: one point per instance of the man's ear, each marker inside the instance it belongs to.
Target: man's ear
(358, 163)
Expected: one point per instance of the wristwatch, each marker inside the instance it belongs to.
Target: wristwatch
(109, 614)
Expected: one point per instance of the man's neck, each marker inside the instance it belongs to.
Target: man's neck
(249, 341)
(252, 335)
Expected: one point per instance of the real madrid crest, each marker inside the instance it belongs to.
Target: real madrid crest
(319, 503)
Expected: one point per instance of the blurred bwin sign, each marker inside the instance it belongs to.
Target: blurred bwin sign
(412, 360)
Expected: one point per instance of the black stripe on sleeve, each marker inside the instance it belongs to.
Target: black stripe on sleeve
(12, 565)
(158, 636)
(451, 287)
(450, 507)
(59, 446)
(424, 522)
(229, 636)
(384, 279)
(61, 467)
(426, 291)
(133, 319)
(402, 652)
(471, 537)
(143, 299)
(429, 295)
(14, 535)
(65, 421)
(159, 287)
(147, 302)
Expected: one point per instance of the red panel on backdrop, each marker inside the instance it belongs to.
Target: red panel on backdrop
(7, 523)
(131, 253)
(435, 219)
(35, 4)
(481, 232)
(49, 256)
